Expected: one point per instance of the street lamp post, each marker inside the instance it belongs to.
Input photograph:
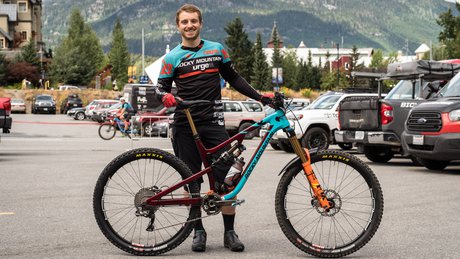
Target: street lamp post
(338, 67)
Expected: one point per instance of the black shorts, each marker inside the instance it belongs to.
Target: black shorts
(185, 147)
(127, 116)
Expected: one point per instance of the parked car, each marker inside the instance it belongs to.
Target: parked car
(77, 113)
(375, 125)
(239, 115)
(68, 87)
(315, 125)
(147, 120)
(43, 103)
(98, 104)
(71, 101)
(101, 115)
(18, 105)
(432, 129)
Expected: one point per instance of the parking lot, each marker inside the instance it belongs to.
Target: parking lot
(49, 165)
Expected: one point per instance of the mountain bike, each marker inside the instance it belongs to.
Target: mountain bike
(108, 129)
(328, 203)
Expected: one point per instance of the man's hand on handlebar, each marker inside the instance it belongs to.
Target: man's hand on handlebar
(169, 100)
(267, 99)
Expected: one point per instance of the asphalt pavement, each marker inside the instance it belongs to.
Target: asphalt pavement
(49, 165)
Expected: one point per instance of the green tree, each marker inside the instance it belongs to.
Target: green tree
(3, 65)
(29, 54)
(119, 56)
(290, 69)
(377, 60)
(329, 81)
(239, 47)
(261, 71)
(277, 59)
(79, 57)
(450, 34)
(303, 76)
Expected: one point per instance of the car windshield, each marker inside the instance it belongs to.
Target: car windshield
(17, 101)
(324, 102)
(253, 106)
(452, 88)
(403, 90)
(44, 98)
(115, 106)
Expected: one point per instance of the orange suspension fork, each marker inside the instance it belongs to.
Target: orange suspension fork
(306, 164)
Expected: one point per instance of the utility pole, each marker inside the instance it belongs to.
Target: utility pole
(338, 67)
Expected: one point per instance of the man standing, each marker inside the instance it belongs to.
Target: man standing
(195, 66)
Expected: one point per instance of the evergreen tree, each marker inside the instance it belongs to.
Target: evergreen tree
(303, 78)
(240, 48)
(29, 54)
(450, 35)
(377, 60)
(80, 56)
(277, 59)
(261, 71)
(3, 65)
(290, 69)
(119, 56)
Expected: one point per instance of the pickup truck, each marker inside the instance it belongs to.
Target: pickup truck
(432, 130)
(375, 125)
(5, 111)
(239, 115)
(315, 124)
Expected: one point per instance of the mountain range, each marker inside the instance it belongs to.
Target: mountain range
(389, 25)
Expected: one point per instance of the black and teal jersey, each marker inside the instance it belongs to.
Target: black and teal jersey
(197, 72)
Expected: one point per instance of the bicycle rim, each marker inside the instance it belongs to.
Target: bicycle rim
(349, 225)
(132, 178)
(107, 131)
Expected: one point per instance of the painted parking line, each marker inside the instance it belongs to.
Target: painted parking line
(6, 213)
(57, 123)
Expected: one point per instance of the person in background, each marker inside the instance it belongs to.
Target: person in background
(125, 113)
(196, 66)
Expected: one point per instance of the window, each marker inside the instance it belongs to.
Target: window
(22, 7)
(24, 35)
(1, 44)
(7, 2)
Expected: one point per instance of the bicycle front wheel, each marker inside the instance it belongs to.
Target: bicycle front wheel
(357, 208)
(119, 196)
(107, 131)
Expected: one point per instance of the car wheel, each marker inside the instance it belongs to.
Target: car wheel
(79, 116)
(147, 129)
(316, 138)
(434, 164)
(251, 134)
(346, 146)
(378, 154)
(285, 146)
(275, 144)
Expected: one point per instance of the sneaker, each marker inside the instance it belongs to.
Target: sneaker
(199, 241)
(232, 242)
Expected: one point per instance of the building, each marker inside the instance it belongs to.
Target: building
(20, 22)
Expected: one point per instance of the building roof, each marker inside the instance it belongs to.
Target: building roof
(10, 10)
(4, 33)
(422, 48)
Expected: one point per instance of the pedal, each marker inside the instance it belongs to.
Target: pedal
(237, 202)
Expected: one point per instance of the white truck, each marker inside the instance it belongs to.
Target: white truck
(315, 124)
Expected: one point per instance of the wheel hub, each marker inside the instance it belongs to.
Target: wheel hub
(141, 197)
(334, 199)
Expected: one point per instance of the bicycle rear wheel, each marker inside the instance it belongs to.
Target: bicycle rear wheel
(349, 225)
(125, 183)
(107, 131)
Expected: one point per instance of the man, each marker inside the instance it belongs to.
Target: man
(125, 112)
(195, 66)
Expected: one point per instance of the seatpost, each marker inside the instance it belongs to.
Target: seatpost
(190, 121)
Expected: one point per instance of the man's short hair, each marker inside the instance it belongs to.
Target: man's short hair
(189, 8)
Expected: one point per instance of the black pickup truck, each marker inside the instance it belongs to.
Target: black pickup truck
(375, 125)
(5, 111)
(432, 132)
